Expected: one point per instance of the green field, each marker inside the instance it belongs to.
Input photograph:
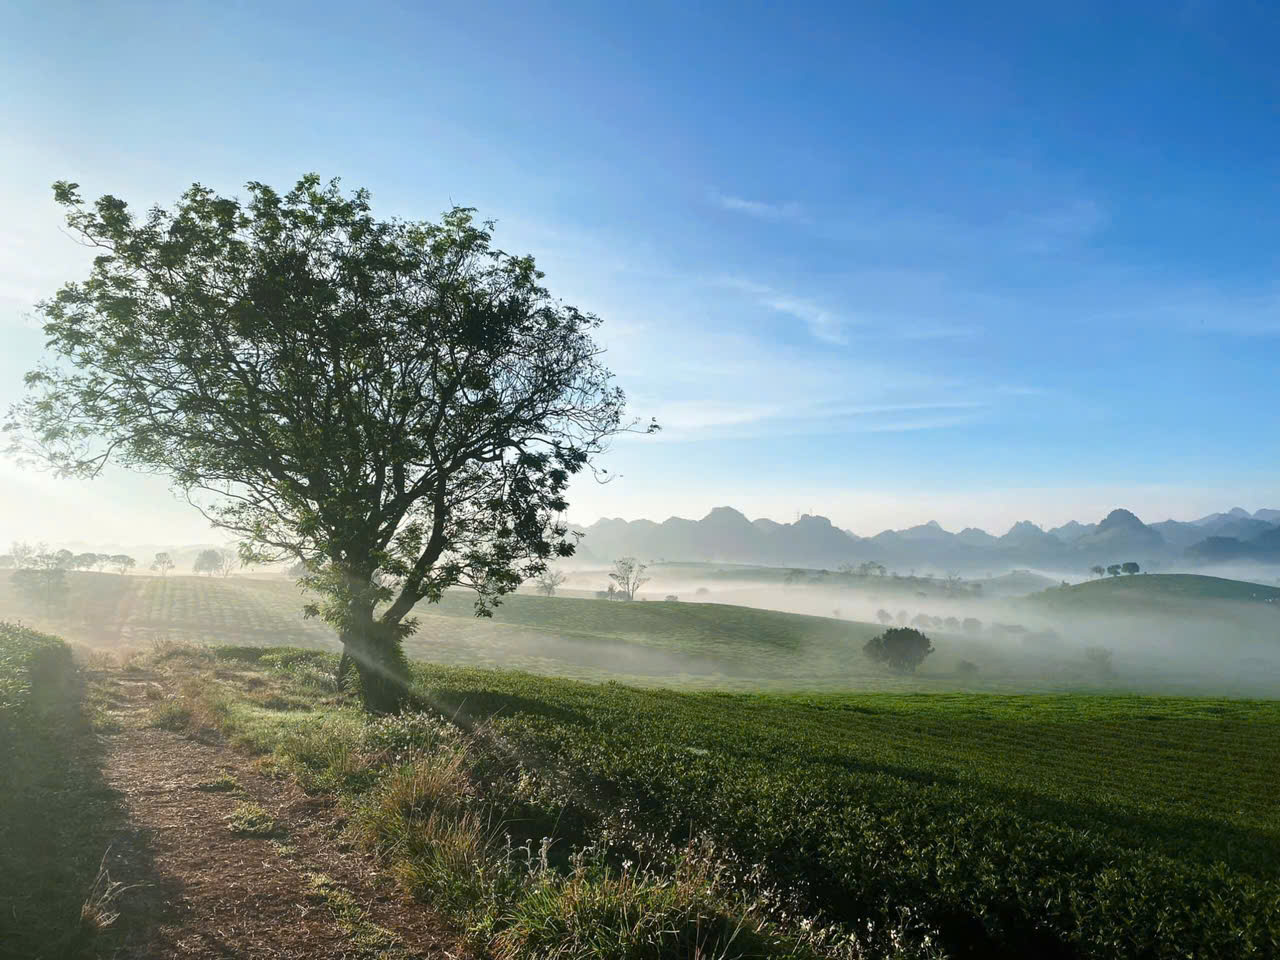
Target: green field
(1183, 590)
(691, 645)
(1091, 826)
(717, 646)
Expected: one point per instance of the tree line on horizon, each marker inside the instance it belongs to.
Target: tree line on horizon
(41, 573)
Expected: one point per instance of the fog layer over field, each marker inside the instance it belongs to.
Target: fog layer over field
(749, 628)
(1189, 632)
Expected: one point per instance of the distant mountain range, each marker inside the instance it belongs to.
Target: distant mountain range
(726, 535)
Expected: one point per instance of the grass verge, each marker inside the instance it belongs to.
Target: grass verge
(552, 818)
(56, 814)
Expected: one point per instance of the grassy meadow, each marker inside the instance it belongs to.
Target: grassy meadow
(689, 645)
(550, 817)
(744, 783)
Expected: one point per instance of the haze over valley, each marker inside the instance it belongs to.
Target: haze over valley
(648, 481)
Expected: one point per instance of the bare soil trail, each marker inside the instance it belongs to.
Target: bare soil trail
(197, 888)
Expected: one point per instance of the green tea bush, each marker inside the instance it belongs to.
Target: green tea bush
(32, 664)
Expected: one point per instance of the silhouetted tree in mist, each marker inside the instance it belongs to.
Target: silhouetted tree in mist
(549, 581)
(900, 648)
(628, 576)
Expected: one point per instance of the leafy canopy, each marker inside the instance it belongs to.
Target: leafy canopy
(398, 405)
(900, 648)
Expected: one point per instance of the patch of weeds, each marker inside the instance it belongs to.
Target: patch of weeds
(171, 715)
(153, 692)
(276, 701)
(328, 754)
(369, 937)
(104, 721)
(225, 783)
(162, 650)
(249, 819)
(97, 913)
(284, 848)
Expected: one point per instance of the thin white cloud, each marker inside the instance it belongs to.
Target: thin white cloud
(823, 324)
(758, 208)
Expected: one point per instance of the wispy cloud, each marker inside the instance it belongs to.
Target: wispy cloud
(824, 324)
(758, 208)
(838, 327)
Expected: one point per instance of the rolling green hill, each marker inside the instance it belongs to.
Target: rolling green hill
(646, 642)
(697, 645)
(1163, 590)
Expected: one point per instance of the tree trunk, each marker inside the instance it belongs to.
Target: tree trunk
(379, 660)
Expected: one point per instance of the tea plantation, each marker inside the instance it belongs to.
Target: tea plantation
(1019, 826)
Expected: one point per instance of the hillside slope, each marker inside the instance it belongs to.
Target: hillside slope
(1156, 590)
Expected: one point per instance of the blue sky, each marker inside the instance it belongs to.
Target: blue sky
(890, 262)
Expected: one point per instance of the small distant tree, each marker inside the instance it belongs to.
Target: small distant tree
(549, 581)
(123, 563)
(952, 623)
(43, 579)
(84, 561)
(1097, 570)
(163, 563)
(967, 668)
(206, 562)
(900, 648)
(1114, 569)
(1100, 659)
(23, 553)
(101, 561)
(671, 598)
(1130, 568)
(921, 621)
(6, 562)
(701, 592)
(64, 559)
(628, 575)
(884, 616)
(611, 592)
(972, 625)
(46, 585)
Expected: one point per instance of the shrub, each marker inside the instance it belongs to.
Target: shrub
(249, 819)
(900, 648)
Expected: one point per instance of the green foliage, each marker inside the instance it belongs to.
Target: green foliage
(31, 663)
(57, 816)
(988, 826)
(223, 783)
(250, 819)
(346, 911)
(1012, 826)
(212, 561)
(901, 648)
(401, 406)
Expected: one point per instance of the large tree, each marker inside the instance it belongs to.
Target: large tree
(398, 405)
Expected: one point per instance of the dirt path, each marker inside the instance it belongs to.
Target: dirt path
(204, 890)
